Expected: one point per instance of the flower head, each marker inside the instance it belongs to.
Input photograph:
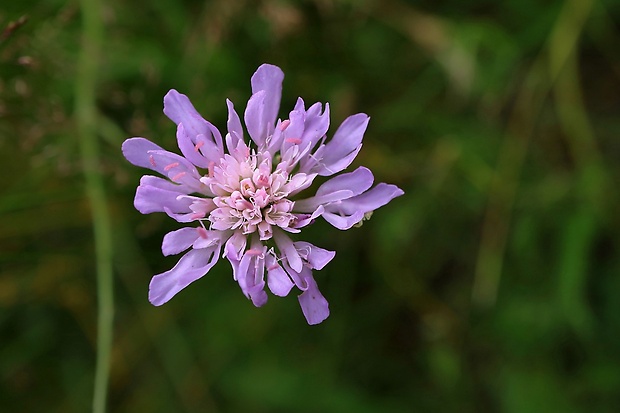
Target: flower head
(244, 198)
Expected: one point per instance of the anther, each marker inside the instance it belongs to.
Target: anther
(273, 267)
(178, 176)
(198, 145)
(284, 124)
(170, 166)
(295, 141)
(152, 161)
(254, 252)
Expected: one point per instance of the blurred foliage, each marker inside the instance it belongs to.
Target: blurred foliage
(492, 285)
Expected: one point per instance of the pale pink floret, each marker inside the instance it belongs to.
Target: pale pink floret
(246, 197)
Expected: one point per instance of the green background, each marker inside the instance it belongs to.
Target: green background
(492, 285)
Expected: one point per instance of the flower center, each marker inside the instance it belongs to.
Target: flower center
(249, 195)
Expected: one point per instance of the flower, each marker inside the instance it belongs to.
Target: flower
(245, 198)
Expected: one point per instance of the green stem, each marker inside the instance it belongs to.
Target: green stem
(86, 117)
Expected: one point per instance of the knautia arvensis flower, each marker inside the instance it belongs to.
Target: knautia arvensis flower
(242, 198)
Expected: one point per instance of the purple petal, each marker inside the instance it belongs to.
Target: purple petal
(343, 222)
(144, 153)
(153, 198)
(314, 306)
(269, 78)
(135, 150)
(357, 181)
(199, 149)
(345, 144)
(317, 257)
(190, 267)
(179, 109)
(316, 123)
(278, 280)
(286, 247)
(293, 133)
(234, 127)
(307, 219)
(255, 118)
(311, 204)
(235, 247)
(370, 200)
(178, 241)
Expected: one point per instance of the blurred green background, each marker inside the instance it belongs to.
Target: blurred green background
(492, 286)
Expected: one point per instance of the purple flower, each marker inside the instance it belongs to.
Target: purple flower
(245, 198)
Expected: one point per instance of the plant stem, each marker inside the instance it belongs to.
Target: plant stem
(86, 118)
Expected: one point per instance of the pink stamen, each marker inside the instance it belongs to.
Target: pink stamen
(284, 124)
(170, 166)
(199, 145)
(202, 233)
(178, 176)
(210, 168)
(254, 252)
(273, 267)
(197, 215)
(295, 141)
(152, 161)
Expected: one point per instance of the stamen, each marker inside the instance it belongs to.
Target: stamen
(178, 176)
(295, 141)
(273, 267)
(197, 215)
(199, 145)
(210, 168)
(170, 166)
(152, 161)
(284, 124)
(254, 252)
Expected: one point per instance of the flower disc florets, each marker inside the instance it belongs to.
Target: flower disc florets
(247, 197)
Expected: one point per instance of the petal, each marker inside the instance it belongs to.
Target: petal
(286, 247)
(150, 198)
(179, 109)
(254, 118)
(316, 123)
(307, 219)
(269, 78)
(370, 200)
(135, 150)
(344, 145)
(314, 306)
(178, 241)
(343, 222)
(311, 204)
(357, 181)
(317, 257)
(199, 149)
(190, 267)
(144, 153)
(234, 127)
(235, 246)
(278, 280)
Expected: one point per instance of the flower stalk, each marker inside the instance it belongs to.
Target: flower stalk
(86, 118)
